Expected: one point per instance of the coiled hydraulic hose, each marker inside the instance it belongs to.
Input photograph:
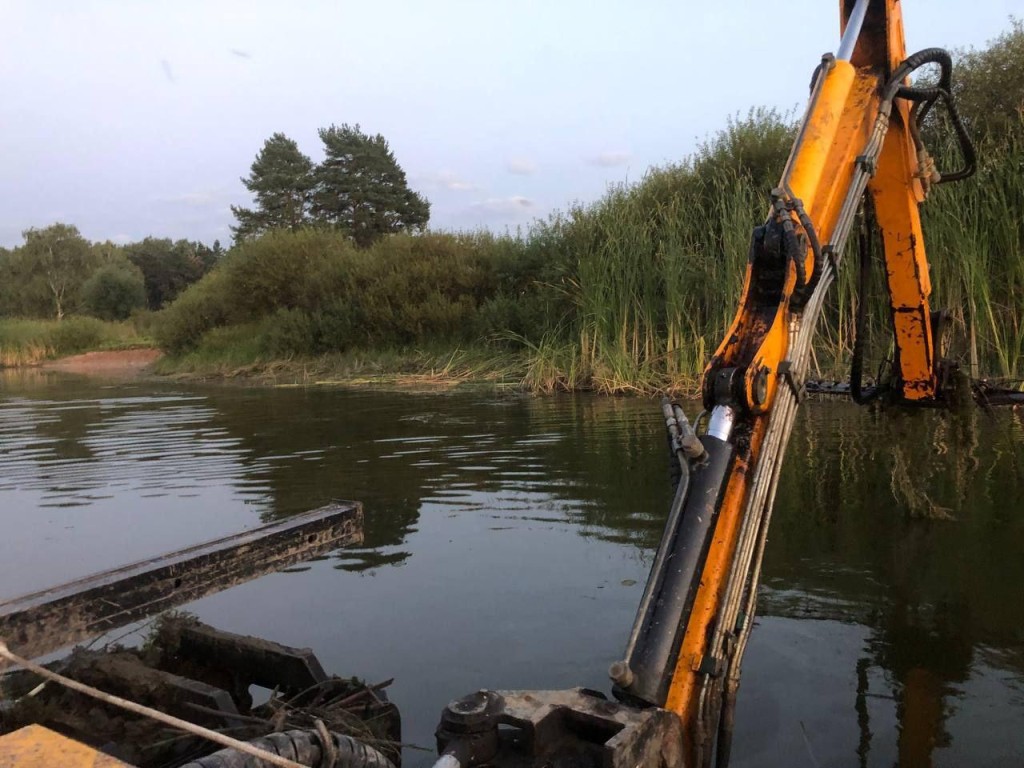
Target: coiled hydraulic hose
(928, 96)
(304, 747)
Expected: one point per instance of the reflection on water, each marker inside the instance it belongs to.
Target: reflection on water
(907, 529)
(508, 538)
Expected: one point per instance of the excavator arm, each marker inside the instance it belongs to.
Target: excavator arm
(859, 138)
(860, 133)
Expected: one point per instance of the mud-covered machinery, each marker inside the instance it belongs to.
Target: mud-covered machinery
(165, 703)
(858, 155)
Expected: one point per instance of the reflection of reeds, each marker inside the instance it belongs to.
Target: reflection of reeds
(925, 462)
(909, 487)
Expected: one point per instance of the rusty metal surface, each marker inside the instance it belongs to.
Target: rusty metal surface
(574, 728)
(253, 659)
(37, 747)
(46, 621)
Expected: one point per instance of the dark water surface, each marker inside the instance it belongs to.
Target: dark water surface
(508, 539)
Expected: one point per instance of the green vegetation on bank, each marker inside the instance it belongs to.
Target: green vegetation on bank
(57, 272)
(630, 293)
(61, 294)
(30, 342)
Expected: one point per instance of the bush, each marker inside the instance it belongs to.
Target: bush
(77, 334)
(287, 270)
(202, 306)
(113, 292)
(318, 293)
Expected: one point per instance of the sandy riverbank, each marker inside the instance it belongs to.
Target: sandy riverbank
(120, 362)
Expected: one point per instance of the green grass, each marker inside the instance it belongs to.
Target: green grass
(221, 356)
(30, 342)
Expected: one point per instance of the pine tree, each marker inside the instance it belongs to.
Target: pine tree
(361, 189)
(280, 179)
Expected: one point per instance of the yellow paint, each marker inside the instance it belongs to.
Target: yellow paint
(835, 133)
(685, 686)
(895, 192)
(836, 130)
(37, 747)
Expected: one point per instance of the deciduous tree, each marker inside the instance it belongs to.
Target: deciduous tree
(60, 259)
(168, 267)
(988, 85)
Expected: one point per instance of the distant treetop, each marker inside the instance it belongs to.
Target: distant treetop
(359, 188)
(280, 180)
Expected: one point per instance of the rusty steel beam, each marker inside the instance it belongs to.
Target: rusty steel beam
(45, 621)
(250, 659)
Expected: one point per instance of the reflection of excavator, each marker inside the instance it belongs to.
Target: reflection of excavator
(677, 684)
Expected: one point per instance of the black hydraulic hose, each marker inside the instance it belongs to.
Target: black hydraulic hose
(812, 237)
(794, 252)
(857, 393)
(660, 630)
(942, 91)
(804, 287)
(915, 61)
(681, 440)
(964, 139)
(304, 747)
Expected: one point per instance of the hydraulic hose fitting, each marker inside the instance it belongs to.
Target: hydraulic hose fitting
(722, 419)
(621, 674)
(468, 733)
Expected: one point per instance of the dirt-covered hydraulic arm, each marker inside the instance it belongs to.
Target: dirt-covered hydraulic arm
(859, 140)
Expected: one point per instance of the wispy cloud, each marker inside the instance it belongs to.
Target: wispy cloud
(165, 65)
(190, 199)
(521, 166)
(445, 180)
(610, 159)
(240, 53)
(516, 204)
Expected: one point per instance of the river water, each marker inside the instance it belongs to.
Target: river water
(508, 539)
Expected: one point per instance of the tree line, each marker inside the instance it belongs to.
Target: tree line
(359, 189)
(57, 272)
(631, 292)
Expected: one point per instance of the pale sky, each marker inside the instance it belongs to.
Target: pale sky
(130, 119)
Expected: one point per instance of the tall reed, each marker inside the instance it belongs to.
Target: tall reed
(631, 293)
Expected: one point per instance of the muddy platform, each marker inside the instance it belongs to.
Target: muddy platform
(204, 675)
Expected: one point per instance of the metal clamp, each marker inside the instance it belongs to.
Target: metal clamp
(796, 384)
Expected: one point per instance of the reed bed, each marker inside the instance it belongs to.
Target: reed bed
(630, 294)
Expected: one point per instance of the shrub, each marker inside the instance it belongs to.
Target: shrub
(202, 306)
(287, 270)
(114, 291)
(77, 334)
